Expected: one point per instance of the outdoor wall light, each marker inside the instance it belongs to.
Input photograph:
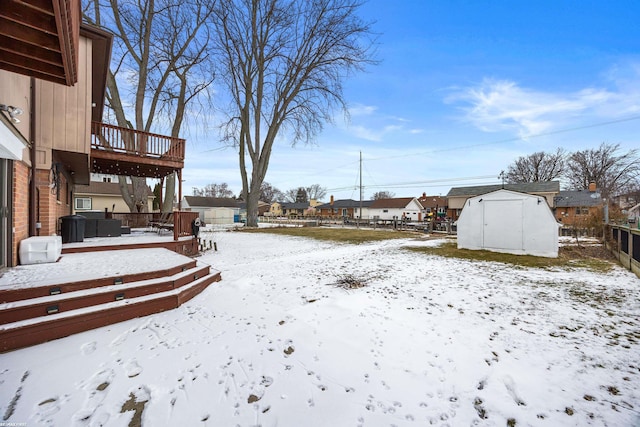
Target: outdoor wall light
(52, 309)
(13, 112)
(119, 297)
(118, 281)
(55, 291)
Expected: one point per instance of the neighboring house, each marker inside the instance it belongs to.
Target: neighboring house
(408, 208)
(101, 195)
(457, 196)
(55, 92)
(510, 222)
(275, 210)
(627, 200)
(435, 207)
(202, 204)
(574, 207)
(263, 208)
(344, 208)
(633, 215)
(294, 209)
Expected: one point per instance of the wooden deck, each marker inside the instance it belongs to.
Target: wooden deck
(85, 290)
(121, 151)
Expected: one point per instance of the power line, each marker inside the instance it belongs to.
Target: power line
(414, 184)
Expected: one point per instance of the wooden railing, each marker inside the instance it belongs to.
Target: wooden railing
(134, 142)
(182, 223)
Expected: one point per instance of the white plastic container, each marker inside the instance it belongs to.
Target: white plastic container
(40, 249)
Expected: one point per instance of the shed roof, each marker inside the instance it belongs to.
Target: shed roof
(578, 198)
(524, 187)
(211, 202)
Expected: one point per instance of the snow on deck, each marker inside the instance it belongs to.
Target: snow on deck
(77, 267)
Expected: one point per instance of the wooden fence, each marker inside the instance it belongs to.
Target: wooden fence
(624, 243)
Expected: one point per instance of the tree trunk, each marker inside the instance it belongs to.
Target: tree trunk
(167, 201)
(252, 204)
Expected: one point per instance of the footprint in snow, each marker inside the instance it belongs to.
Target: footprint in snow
(88, 348)
(132, 368)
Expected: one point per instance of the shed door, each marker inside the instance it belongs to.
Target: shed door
(502, 225)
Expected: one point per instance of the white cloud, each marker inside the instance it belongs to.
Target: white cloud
(366, 133)
(503, 105)
(362, 110)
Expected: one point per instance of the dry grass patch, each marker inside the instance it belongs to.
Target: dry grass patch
(568, 256)
(334, 234)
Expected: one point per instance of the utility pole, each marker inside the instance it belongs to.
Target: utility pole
(360, 215)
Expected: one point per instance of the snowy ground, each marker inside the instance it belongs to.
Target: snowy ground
(428, 341)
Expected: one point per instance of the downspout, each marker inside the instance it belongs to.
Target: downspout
(32, 155)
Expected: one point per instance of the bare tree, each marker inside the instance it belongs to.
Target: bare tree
(316, 192)
(612, 172)
(270, 194)
(379, 195)
(283, 63)
(296, 195)
(214, 190)
(537, 167)
(159, 62)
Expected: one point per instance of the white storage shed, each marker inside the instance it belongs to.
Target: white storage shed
(510, 222)
(219, 216)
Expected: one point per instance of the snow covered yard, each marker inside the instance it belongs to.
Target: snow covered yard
(426, 341)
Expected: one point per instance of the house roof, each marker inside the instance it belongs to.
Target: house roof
(41, 39)
(345, 203)
(579, 198)
(104, 188)
(433, 201)
(524, 187)
(211, 202)
(400, 202)
(299, 205)
(261, 204)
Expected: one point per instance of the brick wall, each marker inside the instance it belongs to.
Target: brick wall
(52, 202)
(20, 205)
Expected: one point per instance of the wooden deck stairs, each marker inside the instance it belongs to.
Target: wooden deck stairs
(32, 315)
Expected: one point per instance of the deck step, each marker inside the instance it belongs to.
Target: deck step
(64, 301)
(24, 293)
(36, 330)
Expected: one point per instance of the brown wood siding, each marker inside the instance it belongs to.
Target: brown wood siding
(15, 92)
(64, 113)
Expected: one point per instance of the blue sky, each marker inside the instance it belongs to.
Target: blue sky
(462, 90)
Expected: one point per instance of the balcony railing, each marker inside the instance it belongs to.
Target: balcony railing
(137, 143)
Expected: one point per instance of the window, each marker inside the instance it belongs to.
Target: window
(385, 210)
(83, 203)
(582, 210)
(106, 179)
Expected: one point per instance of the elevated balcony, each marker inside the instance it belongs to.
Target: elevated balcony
(121, 151)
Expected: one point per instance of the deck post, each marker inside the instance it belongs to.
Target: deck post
(179, 189)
